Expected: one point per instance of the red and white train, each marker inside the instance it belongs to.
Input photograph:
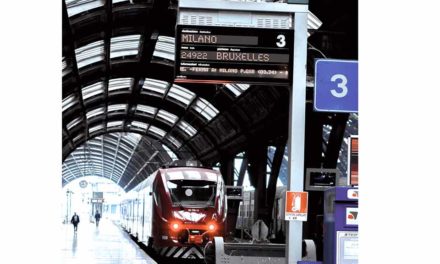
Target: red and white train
(176, 210)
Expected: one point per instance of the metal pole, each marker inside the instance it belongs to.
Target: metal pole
(67, 206)
(296, 133)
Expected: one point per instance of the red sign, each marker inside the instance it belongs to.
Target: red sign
(353, 155)
(296, 206)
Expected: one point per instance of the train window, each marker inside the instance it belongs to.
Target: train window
(192, 192)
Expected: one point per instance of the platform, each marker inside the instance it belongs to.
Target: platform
(106, 244)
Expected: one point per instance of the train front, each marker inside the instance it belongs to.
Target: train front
(195, 208)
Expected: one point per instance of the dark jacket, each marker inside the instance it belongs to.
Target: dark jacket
(97, 216)
(75, 221)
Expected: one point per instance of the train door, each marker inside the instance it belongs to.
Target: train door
(148, 208)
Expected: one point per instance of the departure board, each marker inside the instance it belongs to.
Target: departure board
(206, 54)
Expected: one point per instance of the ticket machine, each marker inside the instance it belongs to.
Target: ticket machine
(341, 225)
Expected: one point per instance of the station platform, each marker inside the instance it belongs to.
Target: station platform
(106, 244)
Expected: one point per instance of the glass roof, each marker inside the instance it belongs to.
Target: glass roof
(181, 94)
(74, 122)
(114, 124)
(164, 48)
(187, 128)
(167, 117)
(172, 155)
(96, 128)
(117, 107)
(174, 141)
(65, 67)
(141, 125)
(146, 110)
(90, 53)
(157, 131)
(124, 46)
(92, 90)
(77, 6)
(237, 88)
(69, 101)
(154, 87)
(205, 108)
(95, 112)
(119, 84)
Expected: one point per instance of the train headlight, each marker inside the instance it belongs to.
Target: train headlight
(211, 227)
(175, 226)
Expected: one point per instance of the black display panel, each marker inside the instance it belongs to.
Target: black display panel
(319, 179)
(206, 54)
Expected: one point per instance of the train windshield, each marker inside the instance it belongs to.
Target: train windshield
(198, 193)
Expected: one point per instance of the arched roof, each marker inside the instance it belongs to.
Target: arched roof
(118, 93)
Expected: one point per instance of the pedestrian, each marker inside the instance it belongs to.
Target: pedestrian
(97, 217)
(75, 221)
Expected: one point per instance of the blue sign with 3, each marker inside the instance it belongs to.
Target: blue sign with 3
(336, 86)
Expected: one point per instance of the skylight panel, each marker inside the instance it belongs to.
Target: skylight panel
(90, 53)
(124, 46)
(117, 107)
(171, 153)
(237, 88)
(78, 137)
(132, 138)
(157, 131)
(92, 90)
(164, 48)
(78, 6)
(95, 112)
(205, 108)
(152, 86)
(114, 124)
(96, 128)
(120, 84)
(167, 117)
(73, 123)
(187, 128)
(174, 141)
(181, 94)
(145, 109)
(69, 101)
(138, 124)
(65, 67)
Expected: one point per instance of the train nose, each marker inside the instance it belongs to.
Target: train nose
(183, 236)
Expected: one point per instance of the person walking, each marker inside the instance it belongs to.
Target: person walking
(97, 217)
(75, 221)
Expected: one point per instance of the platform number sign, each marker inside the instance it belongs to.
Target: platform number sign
(336, 86)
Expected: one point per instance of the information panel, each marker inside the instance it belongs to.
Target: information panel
(206, 54)
(347, 247)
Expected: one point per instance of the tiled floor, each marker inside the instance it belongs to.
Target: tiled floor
(106, 244)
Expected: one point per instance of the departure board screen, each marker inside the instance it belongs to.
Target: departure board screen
(206, 54)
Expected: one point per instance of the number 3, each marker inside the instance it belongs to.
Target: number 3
(342, 85)
(282, 41)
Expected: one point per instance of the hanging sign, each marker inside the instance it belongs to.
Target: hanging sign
(218, 55)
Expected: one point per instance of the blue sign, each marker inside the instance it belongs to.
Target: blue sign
(336, 86)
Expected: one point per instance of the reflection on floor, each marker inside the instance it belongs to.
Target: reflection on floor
(106, 244)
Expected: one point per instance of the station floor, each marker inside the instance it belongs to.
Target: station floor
(106, 244)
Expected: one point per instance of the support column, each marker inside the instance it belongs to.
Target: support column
(227, 171)
(257, 173)
(296, 133)
(335, 139)
(271, 188)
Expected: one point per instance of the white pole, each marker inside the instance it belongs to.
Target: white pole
(296, 133)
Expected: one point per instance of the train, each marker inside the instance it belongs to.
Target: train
(176, 210)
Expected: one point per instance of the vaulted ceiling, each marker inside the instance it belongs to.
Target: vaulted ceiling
(123, 116)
